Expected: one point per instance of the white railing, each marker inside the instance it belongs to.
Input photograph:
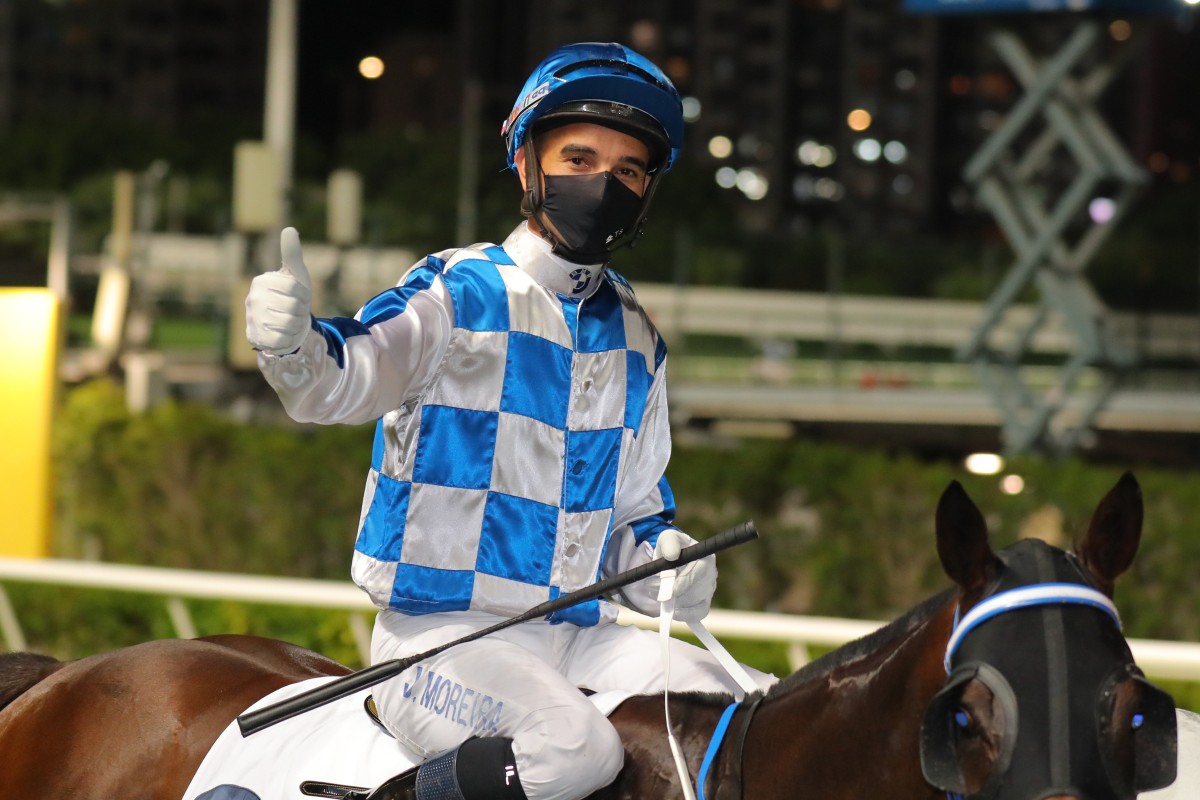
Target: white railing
(1170, 660)
(892, 322)
(207, 266)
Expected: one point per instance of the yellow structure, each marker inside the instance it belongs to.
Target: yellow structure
(29, 321)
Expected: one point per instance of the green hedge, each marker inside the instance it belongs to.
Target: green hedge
(845, 531)
(184, 486)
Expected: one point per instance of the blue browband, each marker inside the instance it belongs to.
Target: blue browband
(1041, 594)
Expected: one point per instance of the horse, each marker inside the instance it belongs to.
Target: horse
(1015, 683)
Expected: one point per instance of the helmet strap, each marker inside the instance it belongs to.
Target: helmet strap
(639, 225)
(534, 199)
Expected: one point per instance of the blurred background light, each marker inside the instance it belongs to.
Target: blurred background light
(720, 147)
(828, 189)
(1102, 210)
(868, 150)
(807, 152)
(371, 67)
(1012, 484)
(859, 119)
(895, 152)
(814, 154)
(804, 187)
(753, 183)
(984, 463)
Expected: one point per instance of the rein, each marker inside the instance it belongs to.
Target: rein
(734, 757)
(666, 616)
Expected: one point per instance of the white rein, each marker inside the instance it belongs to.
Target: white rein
(666, 616)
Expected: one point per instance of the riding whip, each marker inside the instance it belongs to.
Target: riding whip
(254, 721)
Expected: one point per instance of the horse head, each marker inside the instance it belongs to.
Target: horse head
(1043, 699)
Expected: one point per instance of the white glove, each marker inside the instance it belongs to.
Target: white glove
(694, 582)
(278, 307)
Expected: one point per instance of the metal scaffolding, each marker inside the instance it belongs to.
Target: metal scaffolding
(1054, 230)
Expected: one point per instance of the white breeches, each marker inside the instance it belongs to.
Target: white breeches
(523, 683)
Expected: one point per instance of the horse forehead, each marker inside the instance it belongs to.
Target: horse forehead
(1064, 644)
(1080, 644)
(1027, 644)
(1032, 561)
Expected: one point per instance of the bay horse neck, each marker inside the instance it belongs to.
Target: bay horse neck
(847, 725)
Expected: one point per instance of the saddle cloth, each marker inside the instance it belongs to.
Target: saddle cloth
(338, 743)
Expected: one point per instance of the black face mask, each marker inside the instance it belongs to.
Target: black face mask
(590, 212)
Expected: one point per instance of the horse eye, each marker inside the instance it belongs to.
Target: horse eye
(962, 719)
(1138, 720)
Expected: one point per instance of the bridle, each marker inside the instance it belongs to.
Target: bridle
(1043, 594)
(1076, 665)
(1039, 594)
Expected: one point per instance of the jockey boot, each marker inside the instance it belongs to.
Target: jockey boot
(478, 769)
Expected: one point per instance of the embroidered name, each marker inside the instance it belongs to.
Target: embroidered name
(462, 705)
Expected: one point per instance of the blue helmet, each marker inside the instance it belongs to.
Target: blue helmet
(604, 83)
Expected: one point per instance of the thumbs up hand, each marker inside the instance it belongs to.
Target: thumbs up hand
(278, 307)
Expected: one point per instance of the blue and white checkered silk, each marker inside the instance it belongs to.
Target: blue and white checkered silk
(499, 487)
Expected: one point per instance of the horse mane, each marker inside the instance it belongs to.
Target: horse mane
(20, 671)
(858, 648)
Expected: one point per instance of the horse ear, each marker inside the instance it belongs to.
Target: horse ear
(1113, 536)
(962, 539)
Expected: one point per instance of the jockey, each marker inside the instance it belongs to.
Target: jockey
(521, 441)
